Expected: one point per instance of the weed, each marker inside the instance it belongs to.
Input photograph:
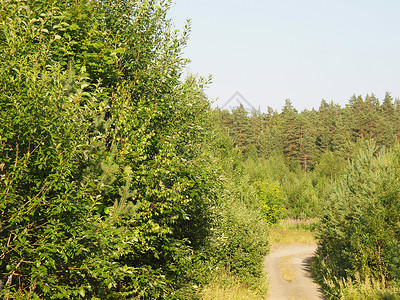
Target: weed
(286, 268)
(293, 231)
(224, 286)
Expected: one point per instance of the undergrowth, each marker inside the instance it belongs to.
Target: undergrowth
(367, 288)
(358, 236)
(225, 286)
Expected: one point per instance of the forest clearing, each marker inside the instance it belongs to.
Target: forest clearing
(118, 180)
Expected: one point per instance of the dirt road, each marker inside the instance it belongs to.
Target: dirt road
(288, 273)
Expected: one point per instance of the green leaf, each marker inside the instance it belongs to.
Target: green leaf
(73, 27)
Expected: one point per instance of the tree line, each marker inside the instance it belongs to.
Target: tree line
(303, 137)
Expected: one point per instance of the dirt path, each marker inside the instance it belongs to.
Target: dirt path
(288, 273)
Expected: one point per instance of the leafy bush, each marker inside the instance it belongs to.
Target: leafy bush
(241, 242)
(359, 234)
(240, 237)
(303, 198)
(108, 189)
(271, 200)
(300, 195)
(105, 184)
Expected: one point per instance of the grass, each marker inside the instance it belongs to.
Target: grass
(363, 289)
(286, 268)
(224, 286)
(367, 289)
(293, 231)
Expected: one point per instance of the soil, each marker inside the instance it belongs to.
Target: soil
(287, 268)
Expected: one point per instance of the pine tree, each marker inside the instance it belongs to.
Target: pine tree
(241, 128)
(388, 122)
(358, 235)
(331, 130)
(291, 133)
(307, 143)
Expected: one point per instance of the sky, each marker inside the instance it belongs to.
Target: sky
(305, 51)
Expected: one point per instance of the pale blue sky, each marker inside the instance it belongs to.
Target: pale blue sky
(304, 50)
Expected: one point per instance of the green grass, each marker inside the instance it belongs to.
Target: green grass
(286, 268)
(293, 231)
(225, 286)
(363, 289)
(352, 289)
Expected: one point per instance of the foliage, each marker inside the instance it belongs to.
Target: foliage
(224, 286)
(45, 134)
(367, 289)
(106, 185)
(330, 166)
(303, 137)
(271, 200)
(303, 197)
(241, 242)
(240, 235)
(357, 288)
(359, 234)
(111, 189)
(312, 140)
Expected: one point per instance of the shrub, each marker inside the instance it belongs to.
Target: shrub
(240, 238)
(271, 200)
(105, 185)
(360, 232)
(241, 242)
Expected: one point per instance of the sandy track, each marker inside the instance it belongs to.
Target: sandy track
(293, 260)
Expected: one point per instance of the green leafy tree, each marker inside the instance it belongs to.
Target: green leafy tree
(105, 183)
(331, 165)
(272, 200)
(47, 118)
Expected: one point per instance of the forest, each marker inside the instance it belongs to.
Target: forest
(119, 181)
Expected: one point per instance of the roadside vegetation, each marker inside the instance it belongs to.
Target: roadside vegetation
(293, 231)
(359, 235)
(225, 286)
(339, 165)
(118, 180)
